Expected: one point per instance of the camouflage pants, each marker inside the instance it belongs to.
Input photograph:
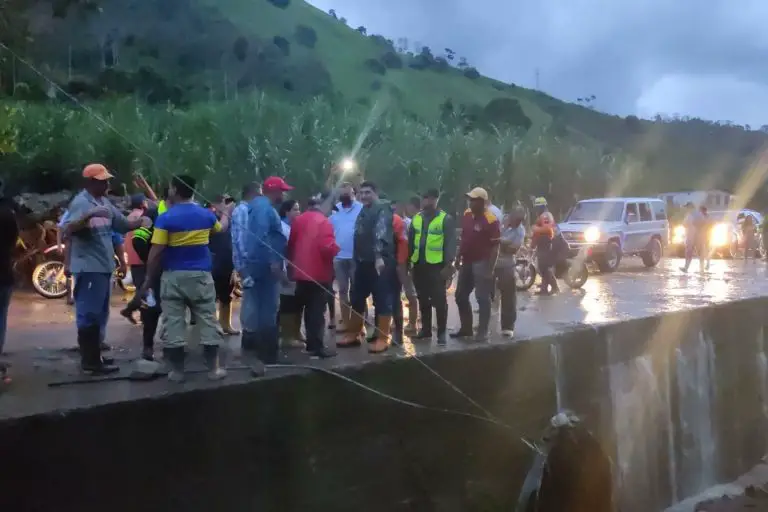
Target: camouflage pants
(182, 289)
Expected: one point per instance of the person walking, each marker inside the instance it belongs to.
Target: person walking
(432, 249)
(290, 308)
(9, 234)
(180, 250)
(400, 243)
(512, 238)
(477, 256)
(543, 242)
(89, 229)
(749, 232)
(262, 272)
(223, 268)
(694, 236)
(311, 251)
(343, 221)
(375, 271)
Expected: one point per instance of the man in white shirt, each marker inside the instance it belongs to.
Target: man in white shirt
(343, 221)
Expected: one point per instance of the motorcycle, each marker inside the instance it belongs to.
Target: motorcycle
(50, 280)
(573, 271)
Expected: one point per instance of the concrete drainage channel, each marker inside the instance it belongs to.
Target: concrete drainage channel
(679, 401)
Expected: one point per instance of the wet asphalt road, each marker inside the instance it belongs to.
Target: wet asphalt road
(41, 332)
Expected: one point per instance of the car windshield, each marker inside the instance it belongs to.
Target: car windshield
(592, 211)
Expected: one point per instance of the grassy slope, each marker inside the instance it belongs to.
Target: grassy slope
(344, 51)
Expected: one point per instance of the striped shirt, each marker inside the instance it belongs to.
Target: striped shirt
(185, 230)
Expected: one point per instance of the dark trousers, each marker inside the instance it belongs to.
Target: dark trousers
(431, 292)
(92, 293)
(222, 282)
(5, 303)
(332, 305)
(397, 306)
(311, 297)
(150, 316)
(478, 277)
(368, 282)
(508, 289)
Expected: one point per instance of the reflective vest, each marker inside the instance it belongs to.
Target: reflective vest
(435, 238)
(162, 207)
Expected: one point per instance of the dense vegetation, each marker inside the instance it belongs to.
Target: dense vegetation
(232, 88)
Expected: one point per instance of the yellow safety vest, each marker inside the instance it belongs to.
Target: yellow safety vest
(162, 207)
(435, 238)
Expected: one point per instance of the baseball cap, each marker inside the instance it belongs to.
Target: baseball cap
(478, 193)
(96, 172)
(431, 193)
(276, 183)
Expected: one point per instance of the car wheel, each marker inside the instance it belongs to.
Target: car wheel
(652, 256)
(610, 260)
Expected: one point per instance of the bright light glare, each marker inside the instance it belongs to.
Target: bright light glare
(719, 236)
(591, 235)
(347, 165)
(678, 235)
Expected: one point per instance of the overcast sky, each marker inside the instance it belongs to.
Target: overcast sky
(704, 58)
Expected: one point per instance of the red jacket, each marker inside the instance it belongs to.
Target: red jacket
(312, 247)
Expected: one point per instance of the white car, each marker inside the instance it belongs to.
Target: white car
(607, 230)
(725, 238)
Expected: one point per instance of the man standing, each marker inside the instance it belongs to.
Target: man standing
(311, 249)
(412, 208)
(223, 267)
(237, 228)
(375, 269)
(180, 249)
(9, 233)
(343, 221)
(263, 247)
(432, 246)
(92, 221)
(478, 252)
(512, 238)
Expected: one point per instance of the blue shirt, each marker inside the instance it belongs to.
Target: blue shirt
(343, 221)
(263, 239)
(185, 230)
(92, 248)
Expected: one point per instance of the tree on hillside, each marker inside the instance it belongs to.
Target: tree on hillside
(402, 44)
(471, 73)
(306, 36)
(463, 64)
(332, 12)
(362, 30)
(343, 20)
(449, 55)
(282, 4)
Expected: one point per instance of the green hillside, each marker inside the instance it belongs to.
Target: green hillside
(212, 56)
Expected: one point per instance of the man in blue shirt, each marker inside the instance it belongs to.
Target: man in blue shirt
(263, 245)
(343, 221)
(90, 229)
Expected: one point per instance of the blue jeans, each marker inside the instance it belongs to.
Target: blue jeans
(92, 292)
(258, 312)
(368, 282)
(5, 302)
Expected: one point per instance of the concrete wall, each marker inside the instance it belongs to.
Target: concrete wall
(311, 442)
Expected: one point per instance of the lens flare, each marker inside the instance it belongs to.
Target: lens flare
(719, 236)
(591, 235)
(347, 165)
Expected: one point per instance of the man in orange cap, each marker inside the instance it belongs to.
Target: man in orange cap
(92, 221)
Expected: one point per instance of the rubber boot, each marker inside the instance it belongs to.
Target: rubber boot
(91, 361)
(290, 323)
(352, 337)
(384, 327)
(225, 319)
(374, 331)
(174, 357)
(413, 314)
(346, 313)
(213, 363)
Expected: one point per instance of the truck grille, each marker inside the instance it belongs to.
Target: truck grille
(571, 236)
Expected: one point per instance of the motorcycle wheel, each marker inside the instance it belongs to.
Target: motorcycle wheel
(525, 275)
(49, 281)
(576, 276)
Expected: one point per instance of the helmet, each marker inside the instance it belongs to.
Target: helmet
(539, 201)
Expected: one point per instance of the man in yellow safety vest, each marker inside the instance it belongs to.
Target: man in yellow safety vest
(432, 249)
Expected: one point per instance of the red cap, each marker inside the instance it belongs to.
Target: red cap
(96, 172)
(276, 183)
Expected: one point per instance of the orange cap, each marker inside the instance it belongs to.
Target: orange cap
(96, 172)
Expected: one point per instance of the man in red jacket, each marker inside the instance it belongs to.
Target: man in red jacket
(311, 249)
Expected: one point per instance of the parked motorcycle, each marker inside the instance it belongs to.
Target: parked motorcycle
(50, 281)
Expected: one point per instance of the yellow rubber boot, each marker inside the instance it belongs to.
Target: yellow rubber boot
(382, 339)
(225, 320)
(352, 336)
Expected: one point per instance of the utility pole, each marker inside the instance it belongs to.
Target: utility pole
(537, 79)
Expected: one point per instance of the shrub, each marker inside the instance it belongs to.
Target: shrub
(505, 112)
(375, 66)
(392, 60)
(306, 36)
(282, 4)
(283, 44)
(472, 73)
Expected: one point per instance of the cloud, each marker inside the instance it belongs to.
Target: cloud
(625, 53)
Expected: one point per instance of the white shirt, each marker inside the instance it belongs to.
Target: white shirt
(496, 211)
(343, 221)
(287, 288)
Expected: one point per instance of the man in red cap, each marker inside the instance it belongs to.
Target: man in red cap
(264, 247)
(92, 221)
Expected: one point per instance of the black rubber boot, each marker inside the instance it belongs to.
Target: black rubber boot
(91, 361)
(211, 356)
(174, 357)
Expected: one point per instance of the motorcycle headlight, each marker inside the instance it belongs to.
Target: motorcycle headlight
(719, 236)
(591, 235)
(678, 235)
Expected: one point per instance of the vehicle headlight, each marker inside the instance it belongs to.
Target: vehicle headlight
(591, 235)
(678, 235)
(719, 236)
